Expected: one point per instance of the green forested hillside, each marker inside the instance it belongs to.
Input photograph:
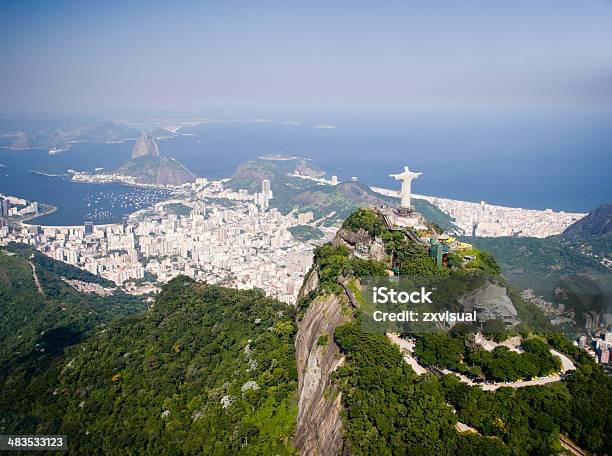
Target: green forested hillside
(544, 264)
(295, 193)
(530, 420)
(37, 323)
(57, 268)
(207, 370)
(544, 256)
(212, 371)
(389, 410)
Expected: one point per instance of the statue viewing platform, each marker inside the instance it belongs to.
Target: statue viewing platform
(404, 216)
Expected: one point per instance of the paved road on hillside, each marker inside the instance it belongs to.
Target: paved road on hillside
(407, 348)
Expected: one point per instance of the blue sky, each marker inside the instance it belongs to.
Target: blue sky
(62, 55)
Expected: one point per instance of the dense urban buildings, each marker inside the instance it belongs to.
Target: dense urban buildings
(488, 220)
(235, 241)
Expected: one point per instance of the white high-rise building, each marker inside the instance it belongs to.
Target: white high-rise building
(265, 186)
(265, 193)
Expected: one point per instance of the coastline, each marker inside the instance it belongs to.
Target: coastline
(554, 221)
(432, 199)
(51, 209)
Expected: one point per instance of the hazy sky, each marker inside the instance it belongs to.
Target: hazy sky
(82, 55)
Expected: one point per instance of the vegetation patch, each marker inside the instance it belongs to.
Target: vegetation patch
(208, 370)
(177, 209)
(306, 232)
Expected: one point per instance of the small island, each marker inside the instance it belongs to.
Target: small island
(278, 157)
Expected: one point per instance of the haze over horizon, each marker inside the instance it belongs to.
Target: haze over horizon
(77, 56)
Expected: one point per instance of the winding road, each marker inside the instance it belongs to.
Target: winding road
(407, 348)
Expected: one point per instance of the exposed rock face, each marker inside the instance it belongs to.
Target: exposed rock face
(145, 145)
(319, 426)
(344, 236)
(148, 167)
(311, 282)
(375, 246)
(157, 170)
(491, 303)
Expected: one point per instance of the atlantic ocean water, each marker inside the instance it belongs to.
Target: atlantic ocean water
(558, 160)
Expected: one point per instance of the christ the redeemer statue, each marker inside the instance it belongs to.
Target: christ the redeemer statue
(406, 178)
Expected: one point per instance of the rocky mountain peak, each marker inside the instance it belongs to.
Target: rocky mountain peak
(145, 145)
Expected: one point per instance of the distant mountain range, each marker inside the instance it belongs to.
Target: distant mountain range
(45, 132)
(307, 195)
(149, 167)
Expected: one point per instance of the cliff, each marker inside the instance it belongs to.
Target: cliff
(148, 167)
(145, 145)
(319, 426)
(156, 170)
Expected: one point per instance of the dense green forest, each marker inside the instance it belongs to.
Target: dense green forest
(36, 324)
(58, 268)
(457, 351)
(389, 410)
(529, 420)
(212, 371)
(541, 264)
(207, 370)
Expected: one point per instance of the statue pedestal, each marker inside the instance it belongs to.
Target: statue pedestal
(402, 217)
(404, 211)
